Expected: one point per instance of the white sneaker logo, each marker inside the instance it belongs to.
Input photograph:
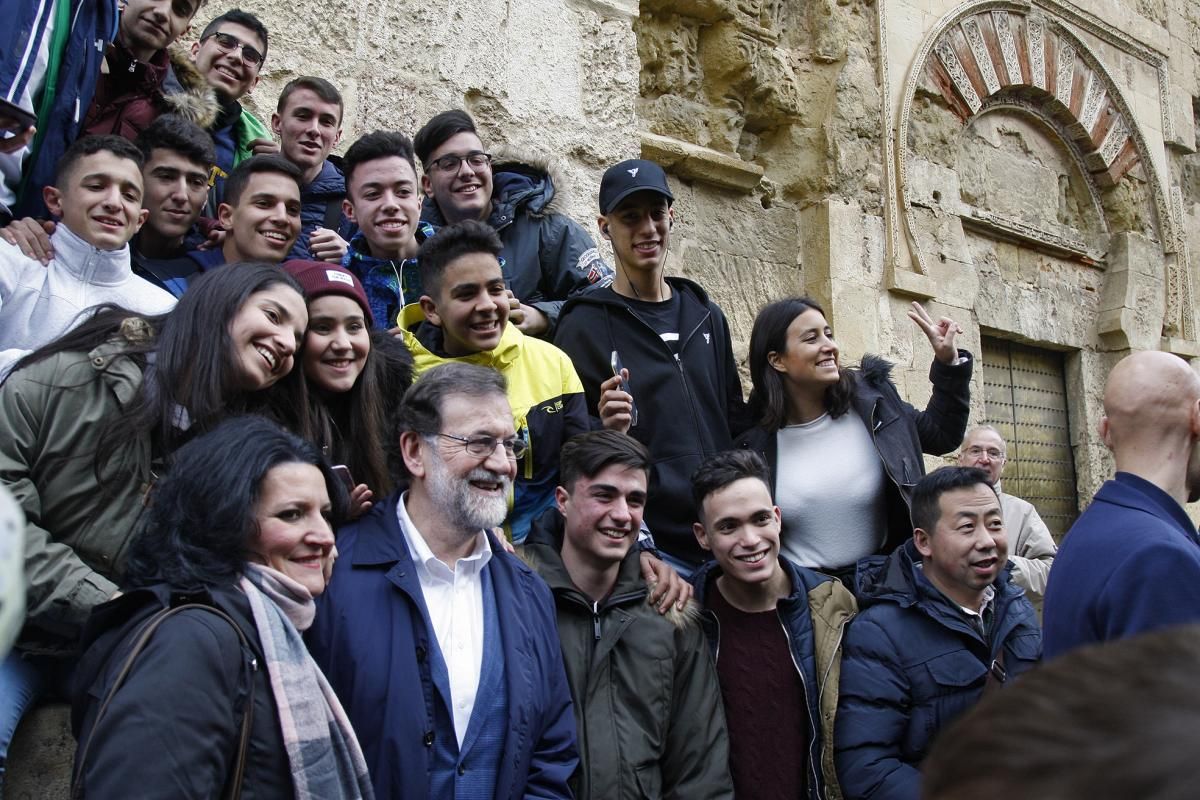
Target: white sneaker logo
(633, 172)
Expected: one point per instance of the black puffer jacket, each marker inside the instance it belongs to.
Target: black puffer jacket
(172, 729)
(900, 432)
(647, 700)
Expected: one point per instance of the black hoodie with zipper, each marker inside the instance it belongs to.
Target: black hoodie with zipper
(688, 407)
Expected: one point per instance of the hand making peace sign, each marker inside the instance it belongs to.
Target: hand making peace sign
(941, 334)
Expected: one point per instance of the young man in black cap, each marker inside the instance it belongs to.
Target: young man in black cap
(654, 354)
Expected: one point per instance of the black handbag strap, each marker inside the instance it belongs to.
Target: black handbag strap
(233, 789)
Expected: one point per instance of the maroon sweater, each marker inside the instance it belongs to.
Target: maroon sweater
(764, 704)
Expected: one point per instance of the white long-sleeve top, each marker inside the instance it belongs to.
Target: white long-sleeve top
(40, 303)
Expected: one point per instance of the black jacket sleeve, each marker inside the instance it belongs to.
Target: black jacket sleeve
(172, 728)
(569, 263)
(944, 421)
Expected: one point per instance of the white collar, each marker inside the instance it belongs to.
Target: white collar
(422, 554)
(88, 263)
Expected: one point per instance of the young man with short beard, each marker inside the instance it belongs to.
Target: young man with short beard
(178, 157)
(776, 631)
(647, 704)
(427, 610)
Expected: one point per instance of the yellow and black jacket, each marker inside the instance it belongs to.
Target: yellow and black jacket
(546, 398)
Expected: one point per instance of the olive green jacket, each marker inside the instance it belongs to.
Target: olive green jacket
(647, 701)
(77, 531)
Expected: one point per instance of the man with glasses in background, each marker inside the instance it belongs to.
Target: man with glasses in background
(442, 646)
(1031, 548)
(230, 55)
(546, 255)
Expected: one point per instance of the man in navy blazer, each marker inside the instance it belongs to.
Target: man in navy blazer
(441, 645)
(1131, 562)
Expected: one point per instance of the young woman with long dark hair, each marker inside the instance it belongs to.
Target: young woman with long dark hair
(351, 378)
(86, 424)
(844, 449)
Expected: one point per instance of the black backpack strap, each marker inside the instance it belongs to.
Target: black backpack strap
(141, 639)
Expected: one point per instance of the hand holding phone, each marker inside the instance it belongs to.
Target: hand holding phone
(618, 411)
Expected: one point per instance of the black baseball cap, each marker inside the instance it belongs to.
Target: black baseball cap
(634, 175)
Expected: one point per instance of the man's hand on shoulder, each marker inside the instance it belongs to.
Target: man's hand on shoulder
(32, 236)
(667, 587)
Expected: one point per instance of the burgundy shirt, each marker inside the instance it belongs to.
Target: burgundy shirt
(764, 704)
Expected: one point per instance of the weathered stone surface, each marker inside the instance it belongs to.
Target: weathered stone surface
(41, 756)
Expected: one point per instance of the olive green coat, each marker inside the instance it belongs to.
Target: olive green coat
(76, 533)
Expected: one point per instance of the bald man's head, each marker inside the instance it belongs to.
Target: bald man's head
(1151, 409)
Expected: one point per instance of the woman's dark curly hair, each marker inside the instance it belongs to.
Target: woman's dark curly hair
(201, 521)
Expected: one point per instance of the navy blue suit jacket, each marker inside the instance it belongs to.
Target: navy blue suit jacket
(371, 640)
(1129, 564)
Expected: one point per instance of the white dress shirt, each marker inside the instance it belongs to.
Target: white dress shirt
(454, 598)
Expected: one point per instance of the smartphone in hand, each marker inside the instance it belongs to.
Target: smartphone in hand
(343, 473)
(617, 366)
(17, 120)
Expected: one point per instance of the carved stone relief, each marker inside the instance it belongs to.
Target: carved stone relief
(715, 78)
(1026, 54)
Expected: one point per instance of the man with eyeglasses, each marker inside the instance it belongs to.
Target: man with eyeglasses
(230, 55)
(1032, 548)
(547, 255)
(441, 645)
(463, 315)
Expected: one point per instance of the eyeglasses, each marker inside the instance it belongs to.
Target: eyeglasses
(228, 43)
(484, 446)
(475, 159)
(992, 453)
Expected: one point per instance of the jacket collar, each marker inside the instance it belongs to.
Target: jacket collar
(359, 258)
(1131, 491)
(543, 552)
(87, 263)
(801, 580)
(896, 579)
(499, 358)
(121, 63)
(329, 181)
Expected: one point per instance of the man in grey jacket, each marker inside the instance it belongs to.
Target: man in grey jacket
(1032, 548)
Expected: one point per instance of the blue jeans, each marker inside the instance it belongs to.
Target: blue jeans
(21, 684)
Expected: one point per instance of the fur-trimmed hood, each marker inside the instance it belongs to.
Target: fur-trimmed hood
(875, 370)
(186, 92)
(515, 170)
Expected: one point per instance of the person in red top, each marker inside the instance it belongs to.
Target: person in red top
(131, 93)
(775, 629)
